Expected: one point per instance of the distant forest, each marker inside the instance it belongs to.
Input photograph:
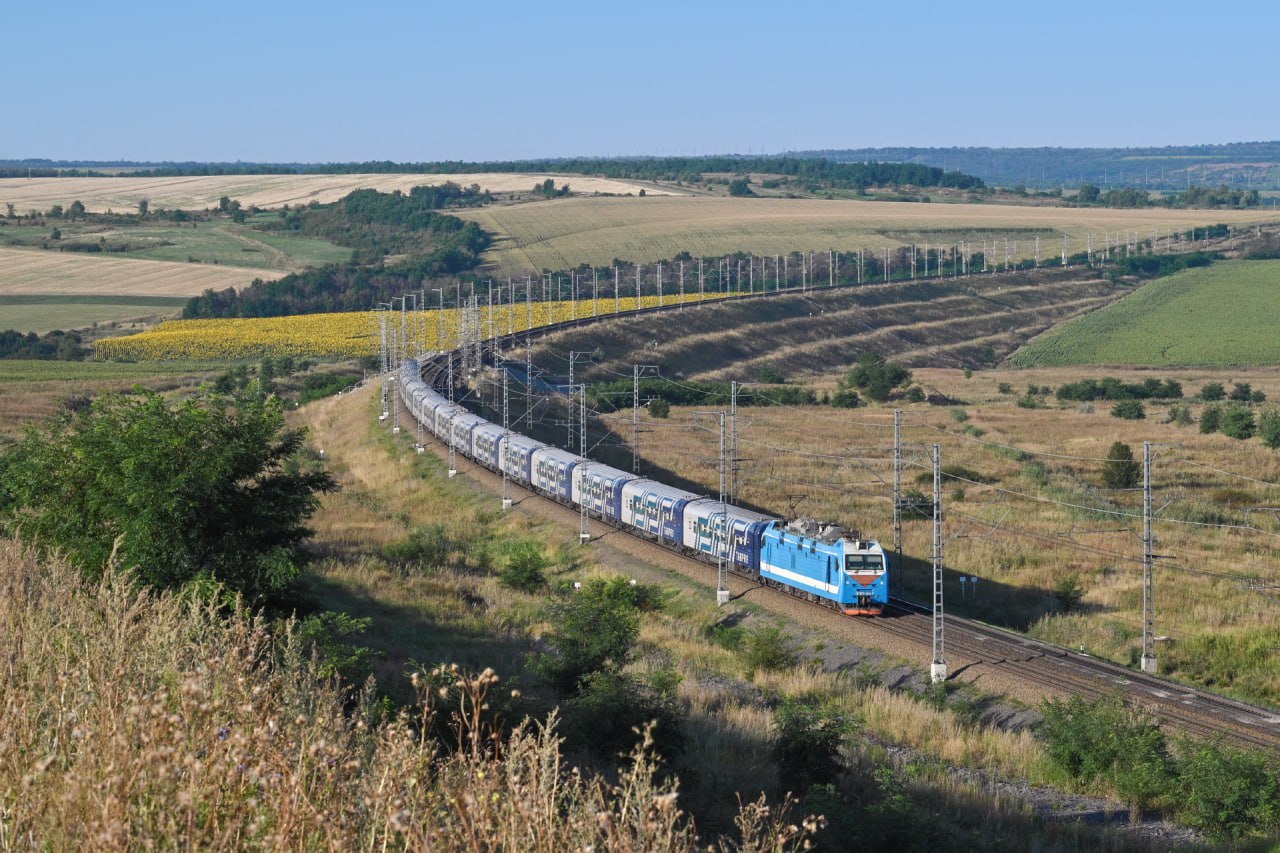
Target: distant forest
(1249, 165)
(825, 173)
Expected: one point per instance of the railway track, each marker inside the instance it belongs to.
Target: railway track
(1192, 710)
(1055, 669)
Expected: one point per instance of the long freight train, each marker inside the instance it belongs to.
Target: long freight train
(820, 562)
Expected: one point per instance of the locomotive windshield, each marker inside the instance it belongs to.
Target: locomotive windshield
(863, 563)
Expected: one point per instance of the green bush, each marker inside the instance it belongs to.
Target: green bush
(524, 567)
(326, 635)
(1211, 419)
(595, 631)
(766, 648)
(1212, 391)
(612, 710)
(845, 399)
(207, 490)
(1227, 792)
(1068, 594)
(1106, 741)
(730, 637)
(428, 546)
(876, 377)
(1241, 392)
(1129, 410)
(1238, 423)
(1269, 429)
(1121, 470)
(807, 741)
(660, 408)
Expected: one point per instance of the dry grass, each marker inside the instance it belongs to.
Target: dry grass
(201, 192)
(562, 233)
(1032, 528)
(139, 721)
(37, 272)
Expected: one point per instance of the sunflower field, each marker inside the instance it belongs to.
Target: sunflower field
(352, 334)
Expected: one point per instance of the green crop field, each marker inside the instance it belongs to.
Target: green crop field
(1223, 316)
(27, 370)
(220, 243)
(45, 313)
(302, 251)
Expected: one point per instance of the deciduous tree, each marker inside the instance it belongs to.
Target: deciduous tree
(207, 489)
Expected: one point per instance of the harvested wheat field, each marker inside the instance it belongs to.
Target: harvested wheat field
(31, 272)
(203, 191)
(563, 233)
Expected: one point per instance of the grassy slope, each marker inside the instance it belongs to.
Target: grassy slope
(950, 322)
(44, 314)
(1221, 315)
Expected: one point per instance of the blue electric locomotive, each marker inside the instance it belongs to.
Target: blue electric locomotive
(850, 573)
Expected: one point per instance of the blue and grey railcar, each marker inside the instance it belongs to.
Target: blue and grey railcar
(717, 530)
(553, 472)
(444, 415)
(600, 488)
(486, 441)
(656, 509)
(517, 457)
(461, 427)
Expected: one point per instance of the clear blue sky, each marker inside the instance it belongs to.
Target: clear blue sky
(274, 81)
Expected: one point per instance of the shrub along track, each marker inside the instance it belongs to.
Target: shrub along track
(995, 660)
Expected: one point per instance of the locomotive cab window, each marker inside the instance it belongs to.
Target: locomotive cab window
(864, 563)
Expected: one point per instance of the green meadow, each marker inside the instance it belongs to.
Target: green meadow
(45, 312)
(1219, 316)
